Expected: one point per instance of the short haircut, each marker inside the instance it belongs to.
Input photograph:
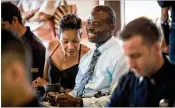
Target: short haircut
(111, 19)
(143, 27)
(70, 21)
(9, 10)
(12, 49)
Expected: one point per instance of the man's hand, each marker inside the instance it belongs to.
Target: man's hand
(164, 46)
(68, 90)
(67, 100)
(64, 100)
(51, 97)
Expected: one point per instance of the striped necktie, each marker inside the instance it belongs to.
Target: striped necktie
(89, 72)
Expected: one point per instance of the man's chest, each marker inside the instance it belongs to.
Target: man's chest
(152, 95)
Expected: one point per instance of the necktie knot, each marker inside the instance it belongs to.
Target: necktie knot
(96, 52)
(144, 81)
(140, 93)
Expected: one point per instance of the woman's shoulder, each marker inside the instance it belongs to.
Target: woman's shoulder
(84, 49)
(52, 45)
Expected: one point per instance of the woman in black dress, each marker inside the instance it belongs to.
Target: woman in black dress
(63, 56)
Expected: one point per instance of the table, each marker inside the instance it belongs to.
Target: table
(47, 104)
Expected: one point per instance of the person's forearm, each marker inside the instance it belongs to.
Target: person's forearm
(164, 13)
(68, 90)
(165, 24)
(39, 16)
(46, 67)
(27, 15)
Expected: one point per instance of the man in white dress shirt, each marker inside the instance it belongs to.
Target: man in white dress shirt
(110, 65)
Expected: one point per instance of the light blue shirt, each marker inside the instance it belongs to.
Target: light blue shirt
(110, 66)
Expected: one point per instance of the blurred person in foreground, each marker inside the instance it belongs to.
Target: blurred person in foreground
(11, 20)
(16, 90)
(101, 67)
(150, 81)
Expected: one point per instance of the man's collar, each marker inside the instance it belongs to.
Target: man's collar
(27, 31)
(106, 45)
(26, 35)
(162, 72)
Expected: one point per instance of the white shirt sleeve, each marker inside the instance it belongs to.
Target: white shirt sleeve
(120, 69)
(77, 81)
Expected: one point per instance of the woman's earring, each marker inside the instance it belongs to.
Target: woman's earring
(81, 35)
(58, 37)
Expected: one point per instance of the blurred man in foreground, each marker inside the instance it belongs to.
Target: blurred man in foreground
(16, 90)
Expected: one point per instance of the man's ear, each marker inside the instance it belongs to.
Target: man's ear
(17, 70)
(157, 47)
(112, 27)
(14, 20)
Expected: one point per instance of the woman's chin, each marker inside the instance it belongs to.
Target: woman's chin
(71, 54)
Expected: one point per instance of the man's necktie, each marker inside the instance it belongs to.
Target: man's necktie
(141, 92)
(89, 72)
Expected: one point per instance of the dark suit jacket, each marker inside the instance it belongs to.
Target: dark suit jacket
(162, 87)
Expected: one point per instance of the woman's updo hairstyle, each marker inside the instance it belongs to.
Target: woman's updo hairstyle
(70, 21)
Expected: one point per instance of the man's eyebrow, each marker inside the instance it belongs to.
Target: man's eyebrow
(72, 39)
(65, 39)
(75, 38)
